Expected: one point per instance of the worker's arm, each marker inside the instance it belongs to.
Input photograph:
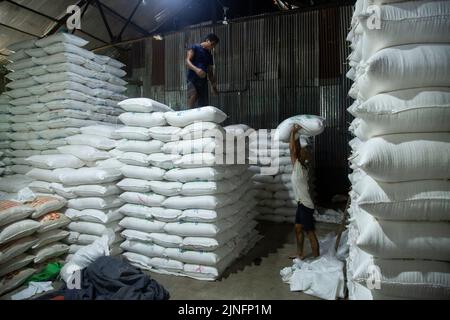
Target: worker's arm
(190, 65)
(212, 79)
(293, 146)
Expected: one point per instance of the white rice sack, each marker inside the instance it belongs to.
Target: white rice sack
(142, 225)
(22, 45)
(15, 264)
(196, 160)
(162, 239)
(237, 129)
(165, 188)
(146, 249)
(165, 134)
(143, 105)
(55, 161)
(198, 257)
(60, 37)
(136, 211)
(98, 142)
(95, 203)
(403, 67)
(197, 174)
(426, 200)
(16, 248)
(184, 118)
(155, 263)
(95, 229)
(16, 280)
(199, 202)
(44, 175)
(101, 130)
(163, 161)
(11, 211)
(207, 216)
(189, 229)
(51, 134)
(83, 176)
(52, 221)
(15, 183)
(199, 130)
(135, 185)
(137, 172)
(402, 239)
(208, 188)
(21, 169)
(403, 111)
(40, 187)
(93, 215)
(206, 145)
(49, 237)
(147, 147)
(134, 133)
(424, 279)
(146, 120)
(311, 126)
(109, 164)
(405, 157)
(405, 23)
(146, 199)
(208, 244)
(45, 204)
(17, 230)
(134, 159)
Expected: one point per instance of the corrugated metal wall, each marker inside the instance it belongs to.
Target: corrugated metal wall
(269, 68)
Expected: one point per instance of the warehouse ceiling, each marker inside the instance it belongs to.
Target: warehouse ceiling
(103, 21)
(106, 22)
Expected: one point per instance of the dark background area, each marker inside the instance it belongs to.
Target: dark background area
(200, 11)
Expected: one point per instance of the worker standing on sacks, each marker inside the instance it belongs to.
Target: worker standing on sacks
(304, 218)
(200, 63)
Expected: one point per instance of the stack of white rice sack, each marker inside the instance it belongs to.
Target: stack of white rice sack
(400, 210)
(271, 151)
(85, 173)
(5, 128)
(30, 235)
(186, 213)
(276, 200)
(56, 88)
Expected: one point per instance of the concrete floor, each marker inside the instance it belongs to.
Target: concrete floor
(253, 277)
(256, 276)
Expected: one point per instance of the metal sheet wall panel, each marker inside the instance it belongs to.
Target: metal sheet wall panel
(270, 68)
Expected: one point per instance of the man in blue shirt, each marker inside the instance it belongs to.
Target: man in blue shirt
(199, 61)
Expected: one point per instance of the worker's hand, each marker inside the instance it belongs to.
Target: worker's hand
(201, 73)
(296, 128)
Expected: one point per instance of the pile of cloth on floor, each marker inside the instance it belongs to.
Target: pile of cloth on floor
(110, 278)
(322, 277)
(92, 274)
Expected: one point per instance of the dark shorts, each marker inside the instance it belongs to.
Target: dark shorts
(199, 87)
(305, 217)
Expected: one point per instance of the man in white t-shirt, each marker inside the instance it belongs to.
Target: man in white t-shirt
(304, 218)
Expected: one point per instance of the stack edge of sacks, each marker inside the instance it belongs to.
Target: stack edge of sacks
(275, 194)
(56, 88)
(5, 141)
(91, 188)
(30, 236)
(186, 214)
(400, 211)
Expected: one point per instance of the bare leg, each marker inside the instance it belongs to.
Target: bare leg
(300, 240)
(192, 95)
(314, 243)
(192, 100)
